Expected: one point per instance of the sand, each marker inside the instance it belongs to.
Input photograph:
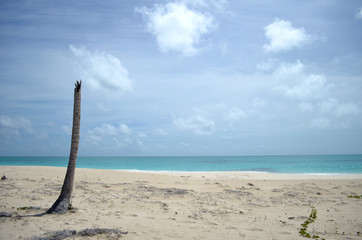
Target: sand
(182, 205)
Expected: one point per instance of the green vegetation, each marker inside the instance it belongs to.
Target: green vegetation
(355, 196)
(303, 231)
(22, 208)
(27, 208)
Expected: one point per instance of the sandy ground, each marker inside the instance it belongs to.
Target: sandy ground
(182, 205)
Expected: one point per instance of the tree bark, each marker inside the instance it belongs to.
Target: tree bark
(62, 204)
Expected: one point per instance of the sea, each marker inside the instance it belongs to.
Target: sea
(296, 164)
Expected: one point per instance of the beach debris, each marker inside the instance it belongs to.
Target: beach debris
(96, 231)
(89, 232)
(3, 177)
(239, 192)
(4, 214)
(164, 206)
(58, 235)
(174, 191)
(165, 191)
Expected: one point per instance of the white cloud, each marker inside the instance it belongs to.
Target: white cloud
(102, 72)
(311, 87)
(359, 13)
(129, 143)
(142, 135)
(197, 124)
(320, 123)
(314, 92)
(298, 85)
(13, 126)
(235, 114)
(288, 69)
(176, 27)
(98, 133)
(124, 129)
(266, 65)
(333, 106)
(16, 123)
(283, 36)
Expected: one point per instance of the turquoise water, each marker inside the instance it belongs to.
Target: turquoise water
(316, 164)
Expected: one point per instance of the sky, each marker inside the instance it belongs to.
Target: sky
(181, 77)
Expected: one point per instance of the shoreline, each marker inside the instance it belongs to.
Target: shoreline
(279, 164)
(182, 205)
(223, 174)
(250, 175)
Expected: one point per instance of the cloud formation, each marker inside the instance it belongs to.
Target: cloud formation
(13, 125)
(298, 85)
(101, 71)
(235, 114)
(181, 71)
(267, 65)
(197, 124)
(313, 86)
(359, 13)
(17, 126)
(332, 105)
(315, 95)
(98, 133)
(286, 70)
(283, 36)
(176, 27)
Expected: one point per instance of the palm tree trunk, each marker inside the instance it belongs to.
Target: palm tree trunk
(62, 204)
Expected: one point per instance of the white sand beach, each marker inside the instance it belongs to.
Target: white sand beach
(223, 205)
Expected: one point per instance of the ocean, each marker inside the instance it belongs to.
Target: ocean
(308, 164)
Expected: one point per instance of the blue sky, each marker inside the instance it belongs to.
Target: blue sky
(218, 77)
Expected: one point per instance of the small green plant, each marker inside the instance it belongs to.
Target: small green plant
(28, 208)
(22, 208)
(303, 231)
(355, 196)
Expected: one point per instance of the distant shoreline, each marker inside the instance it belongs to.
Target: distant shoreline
(209, 174)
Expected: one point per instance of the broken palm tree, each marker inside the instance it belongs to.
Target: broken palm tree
(62, 204)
